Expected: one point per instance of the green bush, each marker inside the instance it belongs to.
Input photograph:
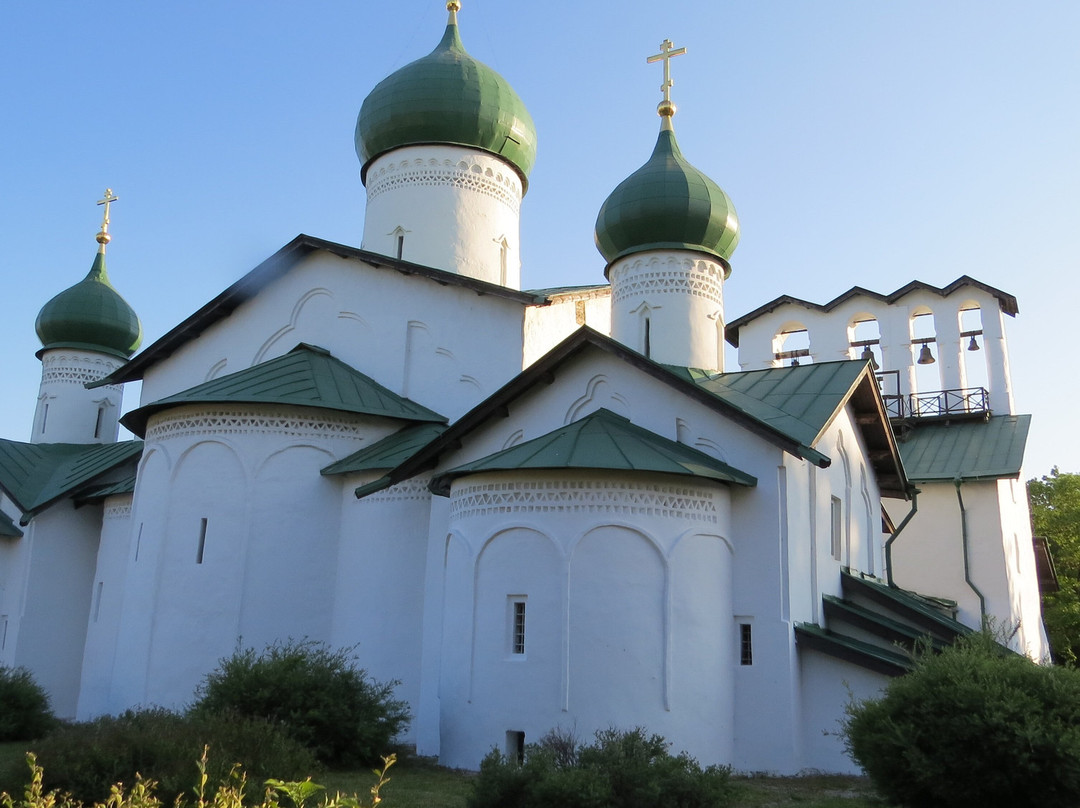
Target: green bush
(86, 759)
(619, 770)
(972, 726)
(24, 706)
(315, 692)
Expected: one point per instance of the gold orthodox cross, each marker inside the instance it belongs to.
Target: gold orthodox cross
(103, 237)
(667, 54)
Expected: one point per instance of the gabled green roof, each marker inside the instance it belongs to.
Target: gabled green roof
(389, 452)
(799, 402)
(35, 475)
(601, 440)
(916, 608)
(8, 528)
(968, 450)
(752, 415)
(307, 376)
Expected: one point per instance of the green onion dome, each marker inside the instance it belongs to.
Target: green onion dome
(667, 204)
(447, 97)
(90, 316)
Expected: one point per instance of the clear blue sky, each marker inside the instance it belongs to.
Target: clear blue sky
(866, 143)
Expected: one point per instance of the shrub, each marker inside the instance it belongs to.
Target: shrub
(316, 693)
(87, 758)
(24, 706)
(619, 769)
(972, 726)
(230, 793)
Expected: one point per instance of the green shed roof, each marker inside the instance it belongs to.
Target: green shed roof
(307, 376)
(387, 453)
(864, 654)
(601, 440)
(968, 450)
(8, 528)
(35, 475)
(447, 97)
(97, 493)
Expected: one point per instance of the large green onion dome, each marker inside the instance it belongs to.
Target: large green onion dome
(667, 204)
(447, 97)
(90, 316)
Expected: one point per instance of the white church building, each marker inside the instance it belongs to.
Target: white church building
(534, 508)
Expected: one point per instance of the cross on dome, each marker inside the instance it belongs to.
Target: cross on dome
(103, 237)
(665, 108)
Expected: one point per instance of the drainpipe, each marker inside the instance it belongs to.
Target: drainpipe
(967, 562)
(896, 533)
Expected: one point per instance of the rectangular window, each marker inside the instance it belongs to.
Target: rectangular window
(836, 519)
(515, 746)
(97, 600)
(517, 636)
(3, 632)
(100, 422)
(138, 541)
(648, 337)
(746, 644)
(44, 416)
(202, 541)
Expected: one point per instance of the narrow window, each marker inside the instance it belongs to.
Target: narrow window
(504, 256)
(3, 632)
(138, 542)
(517, 636)
(515, 745)
(97, 600)
(100, 421)
(835, 516)
(44, 416)
(202, 541)
(648, 337)
(400, 245)
(746, 644)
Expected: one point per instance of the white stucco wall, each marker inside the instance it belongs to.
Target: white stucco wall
(67, 412)
(452, 208)
(626, 581)
(106, 602)
(928, 556)
(380, 574)
(244, 484)
(546, 326)
(61, 546)
(403, 331)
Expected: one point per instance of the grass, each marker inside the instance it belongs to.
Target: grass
(418, 783)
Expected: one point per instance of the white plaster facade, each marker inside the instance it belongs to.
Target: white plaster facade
(528, 598)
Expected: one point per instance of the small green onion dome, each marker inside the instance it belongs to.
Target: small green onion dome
(447, 97)
(90, 316)
(667, 204)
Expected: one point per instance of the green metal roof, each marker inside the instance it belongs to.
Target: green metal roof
(447, 97)
(866, 655)
(667, 204)
(389, 452)
(799, 402)
(35, 475)
(917, 608)
(968, 450)
(8, 528)
(307, 376)
(601, 440)
(92, 316)
(99, 492)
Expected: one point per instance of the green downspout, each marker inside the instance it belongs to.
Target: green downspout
(967, 565)
(896, 533)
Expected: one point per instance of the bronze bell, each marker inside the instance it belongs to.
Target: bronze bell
(925, 357)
